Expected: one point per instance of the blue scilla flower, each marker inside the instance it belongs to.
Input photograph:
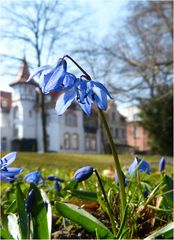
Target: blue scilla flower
(54, 178)
(85, 93)
(51, 78)
(83, 173)
(162, 164)
(57, 186)
(8, 174)
(33, 177)
(144, 166)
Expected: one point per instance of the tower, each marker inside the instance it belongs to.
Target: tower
(23, 114)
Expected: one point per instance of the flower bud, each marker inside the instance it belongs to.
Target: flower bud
(54, 178)
(162, 164)
(83, 173)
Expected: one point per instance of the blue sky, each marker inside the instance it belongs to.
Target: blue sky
(103, 14)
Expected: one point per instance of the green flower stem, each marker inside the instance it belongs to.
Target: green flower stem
(81, 69)
(110, 213)
(114, 152)
(117, 164)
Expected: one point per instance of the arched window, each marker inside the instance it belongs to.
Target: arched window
(16, 112)
(75, 141)
(3, 144)
(15, 130)
(90, 142)
(67, 141)
(70, 119)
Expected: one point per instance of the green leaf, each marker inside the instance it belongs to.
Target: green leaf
(49, 211)
(4, 234)
(71, 185)
(163, 233)
(39, 216)
(13, 226)
(85, 195)
(21, 212)
(167, 201)
(83, 218)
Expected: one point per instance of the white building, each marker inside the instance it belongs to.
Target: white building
(20, 122)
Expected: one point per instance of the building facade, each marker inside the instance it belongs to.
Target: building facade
(137, 137)
(21, 125)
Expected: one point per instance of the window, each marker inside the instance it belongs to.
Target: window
(70, 119)
(93, 143)
(16, 112)
(4, 103)
(3, 144)
(15, 130)
(74, 141)
(113, 116)
(90, 142)
(135, 132)
(30, 113)
(123, 133)
(116, 132)
(67, 140)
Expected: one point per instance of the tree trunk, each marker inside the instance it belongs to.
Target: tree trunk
(43, 119)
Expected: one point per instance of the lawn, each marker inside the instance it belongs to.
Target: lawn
(149, 197)
(69, 162)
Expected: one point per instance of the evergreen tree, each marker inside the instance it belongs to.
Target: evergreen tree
(157, 119)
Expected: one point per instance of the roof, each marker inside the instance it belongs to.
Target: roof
(5, 101)
(22, 75)
(131, 113)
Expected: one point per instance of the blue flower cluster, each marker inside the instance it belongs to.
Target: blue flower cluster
(83, 91)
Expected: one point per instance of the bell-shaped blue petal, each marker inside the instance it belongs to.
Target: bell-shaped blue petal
(11, 172)
(55, 80)
(64, 101)
(102, 87)
(38, 71)
(86, 107)
(162, 164)
(33, 177)
(98, 94)
(7, 160)
(68, 81)
(5, 178)
(143, 167)
(83, 173)
(50, 78)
